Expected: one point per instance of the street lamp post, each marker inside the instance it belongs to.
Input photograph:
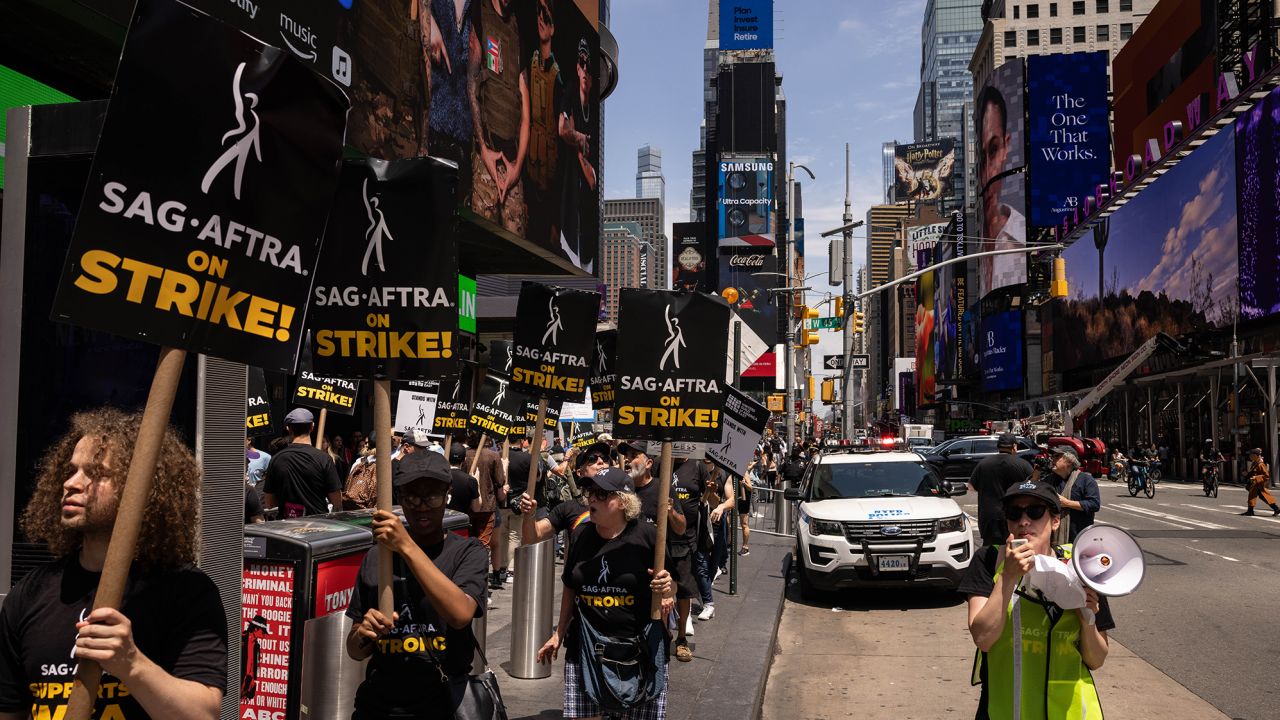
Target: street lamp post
(789, 351)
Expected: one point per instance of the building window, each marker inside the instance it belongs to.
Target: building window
(1077, 7)
(1126, 5)
(1055, 36)
(1104, 33)
(1033, 37)
(1015, 12)
(1010, 38)
(1053, 9)
(1033, 11)
(1077, 34)
(1126, 31)
(1102, 6)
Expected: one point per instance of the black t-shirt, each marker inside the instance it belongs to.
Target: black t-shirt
(688, 483)
(649, 499)
(568, 515)
(518, 477)
(178, 623)
(403, 678)
(301, 477)
(610, 579)
(793, 472)
(991, 478)
(463, 488)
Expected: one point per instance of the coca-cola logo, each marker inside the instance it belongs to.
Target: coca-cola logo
(747, 261)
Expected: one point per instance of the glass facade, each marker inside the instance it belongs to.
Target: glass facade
(948, 36)
(649, 180)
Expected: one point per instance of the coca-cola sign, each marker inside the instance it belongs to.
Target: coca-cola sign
(752, 261)
(753, 275)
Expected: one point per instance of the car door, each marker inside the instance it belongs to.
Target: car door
(976, 450)
(956, 455)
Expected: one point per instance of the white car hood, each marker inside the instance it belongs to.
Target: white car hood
(888, 508)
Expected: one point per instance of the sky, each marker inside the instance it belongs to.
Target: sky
(851, 71)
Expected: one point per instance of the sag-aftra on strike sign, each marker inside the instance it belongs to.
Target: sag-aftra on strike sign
(202, 219)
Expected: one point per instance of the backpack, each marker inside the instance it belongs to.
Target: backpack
(362, 486)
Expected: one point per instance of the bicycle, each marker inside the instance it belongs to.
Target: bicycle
(1210, 476)
(1138, 480)
(1155, 474)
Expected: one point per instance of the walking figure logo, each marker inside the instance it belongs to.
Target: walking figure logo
(502, 392)
(675, 341)
(604, 572)
(602, 363)
(249, 138)
(507, 368)
(377, 230)
(457, 388)
(422, 417)
(554, 326)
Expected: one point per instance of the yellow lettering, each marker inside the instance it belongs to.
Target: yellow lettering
(97, 277)
(142, 272)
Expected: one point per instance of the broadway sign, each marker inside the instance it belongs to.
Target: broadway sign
(201, 222)
(385, 303)
(744, 423)
(551, 345)
(603, 375)
(328, 393)
(497, 410)
(670, 365)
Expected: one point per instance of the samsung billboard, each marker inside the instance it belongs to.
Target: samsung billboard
(1068, 129)
(744, 201)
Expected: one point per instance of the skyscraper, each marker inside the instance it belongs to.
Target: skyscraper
(647, 214)
(649, 180)
(890, 176)
(948, 36)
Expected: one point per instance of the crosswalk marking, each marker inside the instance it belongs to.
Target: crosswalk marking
(1233, 512)
(1171, 517)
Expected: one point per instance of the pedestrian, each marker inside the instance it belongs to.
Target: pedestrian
(519, 461)
(339, 462)
(464, 489)
(420, 657)
(994, 475)
(746, 493)
(568, 514)
(1258, 475)
(721, 498)
(257, 460)
(1077, 493)
(361, 488)
(491, 479)
(689, 479)
(793, 470)
(609, 583)
(1044, 672)
(163, 652)
(704, 560)
(301, 480)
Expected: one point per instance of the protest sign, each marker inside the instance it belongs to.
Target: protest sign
(581, 412)
(453, 405)
(500, 358)
(416, 407)
(257, 416)
(385, 304)
(552, 342)
(744, 423)
(530, 416)
(583, 439)
(603, 376)
(670, 365)
(327, 393)
(497, 409)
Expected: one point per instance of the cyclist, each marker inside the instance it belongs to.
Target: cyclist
(1211, 460)
(1139, 467)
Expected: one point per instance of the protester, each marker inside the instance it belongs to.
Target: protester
(689, 479)
(608, 589)
(464, 489)
(419, 658)
(301, 479)
(569, 514)
(519, 461)
(492, 480)
(994, 475)
(1077, 493)
(253, 512)
(704, 545)
(361, 489)
(340, 464)
(257, 461)
(1045, 671)
(1258, 475)
(163, 653)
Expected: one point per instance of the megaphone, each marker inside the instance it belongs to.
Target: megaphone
(1108, 560)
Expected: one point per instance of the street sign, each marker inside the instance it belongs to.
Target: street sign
(860, 361)
(830, 323)
(835, 362)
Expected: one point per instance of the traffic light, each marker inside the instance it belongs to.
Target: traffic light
(828, 390)
(1058, 287)
(840, 308)
(811, 384)
(858, 319)
(809, 314)
(808, 337)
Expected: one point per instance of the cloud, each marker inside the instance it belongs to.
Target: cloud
(850, 25)
(1172, 273)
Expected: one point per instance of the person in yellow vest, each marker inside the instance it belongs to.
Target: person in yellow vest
(1258, 475)
(1034, 659)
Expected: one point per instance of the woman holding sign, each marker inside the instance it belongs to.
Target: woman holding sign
(616, 656)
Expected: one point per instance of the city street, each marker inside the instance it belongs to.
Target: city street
(1186, 643)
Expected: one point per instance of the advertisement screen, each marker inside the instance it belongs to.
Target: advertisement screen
(689, 255)
(997, 120)
(17, 90)
(925, 379)
(1257, 145)
(923, 170)
(751, 275)
(1069, 132)
(922, 237)
(746, 24)
(1168, 264)
(1001, 350)
(744, 201)
(948, 302)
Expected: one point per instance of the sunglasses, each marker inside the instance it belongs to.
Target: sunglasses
(593, 459)
(1014, 513)
(596, 493)
(420, 502)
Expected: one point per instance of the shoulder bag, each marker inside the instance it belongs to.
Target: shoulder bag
(620, 673)
(477, 696)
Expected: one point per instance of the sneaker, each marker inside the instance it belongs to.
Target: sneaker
(688, 625)
(708, 612)
(495, 580)
(683, 653)
(719, 572)
(509, 577)
(745, 551)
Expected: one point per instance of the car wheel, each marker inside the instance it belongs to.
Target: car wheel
(804, 584)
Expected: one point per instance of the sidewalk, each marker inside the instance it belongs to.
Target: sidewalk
(732, 652)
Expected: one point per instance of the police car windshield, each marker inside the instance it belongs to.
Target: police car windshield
(874, 479)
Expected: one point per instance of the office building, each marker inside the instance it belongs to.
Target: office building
(624, 254)
(647, 214)
(649, 180)
(948, 36)
(890, 174)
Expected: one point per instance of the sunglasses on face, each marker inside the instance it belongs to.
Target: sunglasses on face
(421, 502)
(596, 493)
(1014, 513)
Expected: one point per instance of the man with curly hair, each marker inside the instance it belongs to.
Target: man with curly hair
(163, 653)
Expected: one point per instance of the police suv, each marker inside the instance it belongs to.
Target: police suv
(878, 519)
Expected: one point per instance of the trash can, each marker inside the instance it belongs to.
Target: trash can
(297, 581)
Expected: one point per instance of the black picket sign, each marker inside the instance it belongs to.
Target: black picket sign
(385, 303)
(453, 408)
(583, 439)
(671, 365)
(552, 342)
(328, 393)
(603, 375)
(201, 223)
(257, 418)
(531, 417)
(500, 358)
(498, 410)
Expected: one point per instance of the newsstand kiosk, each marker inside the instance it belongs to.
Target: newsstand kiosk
(298, 576)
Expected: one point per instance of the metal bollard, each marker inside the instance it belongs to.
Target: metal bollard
(782, 509)
(480, 628)
(531, 604)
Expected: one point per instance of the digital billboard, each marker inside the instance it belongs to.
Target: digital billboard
(922, 171)
(998, 121)
(925, 383)
(753, 275)
(1000, 349)
(746, 24)
(922, 237)
(689, 254)
(948, 301)
(744, 201)
(1257, 146)
(17, 90)
(1068, 127)
(1168, 263)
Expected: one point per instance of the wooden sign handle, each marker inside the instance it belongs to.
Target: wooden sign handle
(475, 462)
(324, 415)
(664, 504)
(382, 469)
(535, 447)
(133, 506)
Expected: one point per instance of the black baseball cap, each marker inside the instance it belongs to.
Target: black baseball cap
(1039, 490)
(626, 447)
(420, 466)
(1065, 450)
(1006, 440)
(597, 448)
(457, 453)
(611, 479)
